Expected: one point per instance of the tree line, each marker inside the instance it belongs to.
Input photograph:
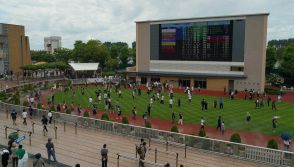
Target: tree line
(110, 55)
(280, 59)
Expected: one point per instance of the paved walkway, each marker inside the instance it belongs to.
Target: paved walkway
(84, 147)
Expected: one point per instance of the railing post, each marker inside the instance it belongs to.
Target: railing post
(64, 126)
(185, 150)
(54, 123)
(76, 126)
(55, 129)
(136, 150)
(6, 132)
(155, 153)
(149, 141)
(7, 113)
(30, 138)
(166, 146)
(177, 159)
(33, 127)
(117, 160)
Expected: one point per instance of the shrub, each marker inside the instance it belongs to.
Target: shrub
(272, 91)
(272, 144)
(67, 111)
(105, 117)
(52, 108)
(39, 105)
(125, 120)
(202, 132)
(175, 129)
(148, 125)
(86, 114)
(26, 103)
(235, 138)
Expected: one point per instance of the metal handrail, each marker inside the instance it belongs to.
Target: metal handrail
(136, 159)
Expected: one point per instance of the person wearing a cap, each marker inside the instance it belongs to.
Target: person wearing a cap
(5, 157)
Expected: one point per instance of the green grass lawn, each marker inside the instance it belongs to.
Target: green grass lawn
(233, 114)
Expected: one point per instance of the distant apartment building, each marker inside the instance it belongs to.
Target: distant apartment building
(14, 48)
(52, 43)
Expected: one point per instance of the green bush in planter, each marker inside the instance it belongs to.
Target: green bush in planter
(175, 129)
(25, 103)
(52, 108)
(148, 125)
(125, 120)
(272, 144)
(67, 111)
(235, 138)
(86, 114)
(202, 132)
(105, 117)
(39, 105)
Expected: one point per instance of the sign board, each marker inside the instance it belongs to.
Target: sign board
(20, 139)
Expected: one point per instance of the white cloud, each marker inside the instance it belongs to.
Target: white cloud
(113, 20)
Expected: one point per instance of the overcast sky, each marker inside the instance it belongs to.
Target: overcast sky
(113, 20)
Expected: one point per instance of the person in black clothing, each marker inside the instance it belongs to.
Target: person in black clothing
(149, 109)
(269, 99)
(173, 117)
(104, 156)
(219, 123)
(13, 116)
(179, 102)
(94, 110)
(214, 103)
(44, 122)
(202, 104)
(5, 158)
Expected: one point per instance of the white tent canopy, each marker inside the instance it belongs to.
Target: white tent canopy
(84, 66)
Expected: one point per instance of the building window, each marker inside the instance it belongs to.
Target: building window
(155, 79)
(184, 83)
(200, 83)
(237, 68)
(143, 80)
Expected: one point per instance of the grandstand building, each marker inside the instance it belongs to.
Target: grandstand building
(214, 53)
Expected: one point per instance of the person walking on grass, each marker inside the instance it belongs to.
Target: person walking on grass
(221, 103)
(202, 122)
(50, 150)
(179, 102)
(274, 105)
(24, 116)
(214, 104)
(13, 116)
(248, 118)
(171, 102)
(104, 155)
(173, 117)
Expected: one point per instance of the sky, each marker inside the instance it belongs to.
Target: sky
(114, 20)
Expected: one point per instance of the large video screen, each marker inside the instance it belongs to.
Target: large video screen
(199, 41)
(219, 40)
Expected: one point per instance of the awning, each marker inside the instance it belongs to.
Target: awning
(84, 66)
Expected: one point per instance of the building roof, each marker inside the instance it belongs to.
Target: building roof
(209, 17)
(84, 66)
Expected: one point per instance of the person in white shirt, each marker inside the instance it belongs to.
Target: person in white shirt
(171, 102)
(50, 116)
(202, 121)
(24, 116)
(151, 100)
(162, 99)
(90, 101)
(190, 98)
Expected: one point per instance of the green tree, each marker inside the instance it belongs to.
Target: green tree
(287, 62)
(270, 59)
(112, 64)
(63, 54)
(114, 52)
(124, 57)
(40, 55)
(78, 51)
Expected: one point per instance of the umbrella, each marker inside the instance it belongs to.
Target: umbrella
(286, 136)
